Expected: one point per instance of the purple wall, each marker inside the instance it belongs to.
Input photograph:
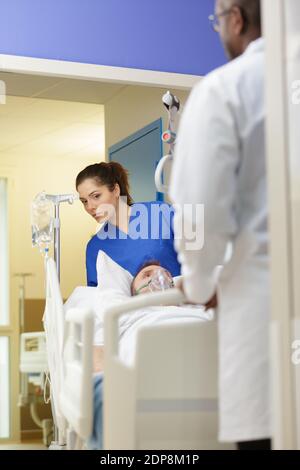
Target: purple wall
(124, 33)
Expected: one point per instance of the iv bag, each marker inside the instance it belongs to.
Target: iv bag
(42, 220)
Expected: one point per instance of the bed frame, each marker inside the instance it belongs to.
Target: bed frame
(167, 399)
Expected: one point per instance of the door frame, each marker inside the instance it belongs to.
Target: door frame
(158, 124)
(12, 329)
(80, 71)
(283, 314)
(101, 73)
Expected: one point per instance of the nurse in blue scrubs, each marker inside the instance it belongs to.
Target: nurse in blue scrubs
(130, 233)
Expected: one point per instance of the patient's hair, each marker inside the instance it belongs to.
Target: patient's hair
(152, 262)
(108, 174)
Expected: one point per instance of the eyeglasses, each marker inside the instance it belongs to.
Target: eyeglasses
(214, 19)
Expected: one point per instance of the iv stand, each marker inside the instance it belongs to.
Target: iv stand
(57, 200)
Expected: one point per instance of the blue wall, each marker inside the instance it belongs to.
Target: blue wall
(124, 33)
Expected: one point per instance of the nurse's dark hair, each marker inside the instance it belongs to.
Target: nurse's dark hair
(250, 11)
(107, 174)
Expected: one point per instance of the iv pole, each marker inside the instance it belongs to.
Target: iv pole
(57, 200)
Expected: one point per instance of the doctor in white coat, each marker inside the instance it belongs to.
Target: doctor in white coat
(220, 163)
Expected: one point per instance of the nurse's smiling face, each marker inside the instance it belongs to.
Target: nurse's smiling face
(98, 200)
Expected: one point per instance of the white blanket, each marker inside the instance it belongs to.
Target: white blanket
(98, 301)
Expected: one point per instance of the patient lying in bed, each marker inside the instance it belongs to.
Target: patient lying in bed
(114, 286)
(152, 277)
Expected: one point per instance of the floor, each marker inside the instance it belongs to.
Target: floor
(30, 445)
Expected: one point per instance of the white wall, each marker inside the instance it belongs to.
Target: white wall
(76, 226)
(44, 144)
(132, 109)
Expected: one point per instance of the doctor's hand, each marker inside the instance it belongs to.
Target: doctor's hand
(212, 303)
(179, 285)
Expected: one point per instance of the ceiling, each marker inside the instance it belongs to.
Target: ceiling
(53, 117)
(53, 88)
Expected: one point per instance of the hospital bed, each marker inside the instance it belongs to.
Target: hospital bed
(166, 399)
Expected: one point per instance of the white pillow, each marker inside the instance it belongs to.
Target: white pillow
(79, 297)
(111, 275)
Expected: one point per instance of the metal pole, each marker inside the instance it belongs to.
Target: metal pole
(57, 200)
(22, 277)
(23, 388)
(22, 303)
(57, 239)
(57, 262)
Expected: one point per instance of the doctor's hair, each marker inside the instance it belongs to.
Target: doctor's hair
(250, 11)
(152, 262)
(107, 174)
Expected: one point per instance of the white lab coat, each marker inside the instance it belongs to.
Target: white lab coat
(220, 162)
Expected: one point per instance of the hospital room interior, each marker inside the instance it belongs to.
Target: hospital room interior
(114, 335)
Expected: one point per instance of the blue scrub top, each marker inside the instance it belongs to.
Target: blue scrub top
(150, 237)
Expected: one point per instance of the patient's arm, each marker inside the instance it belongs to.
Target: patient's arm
(98, 358)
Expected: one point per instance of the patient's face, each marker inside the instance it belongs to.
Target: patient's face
(142, 285)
